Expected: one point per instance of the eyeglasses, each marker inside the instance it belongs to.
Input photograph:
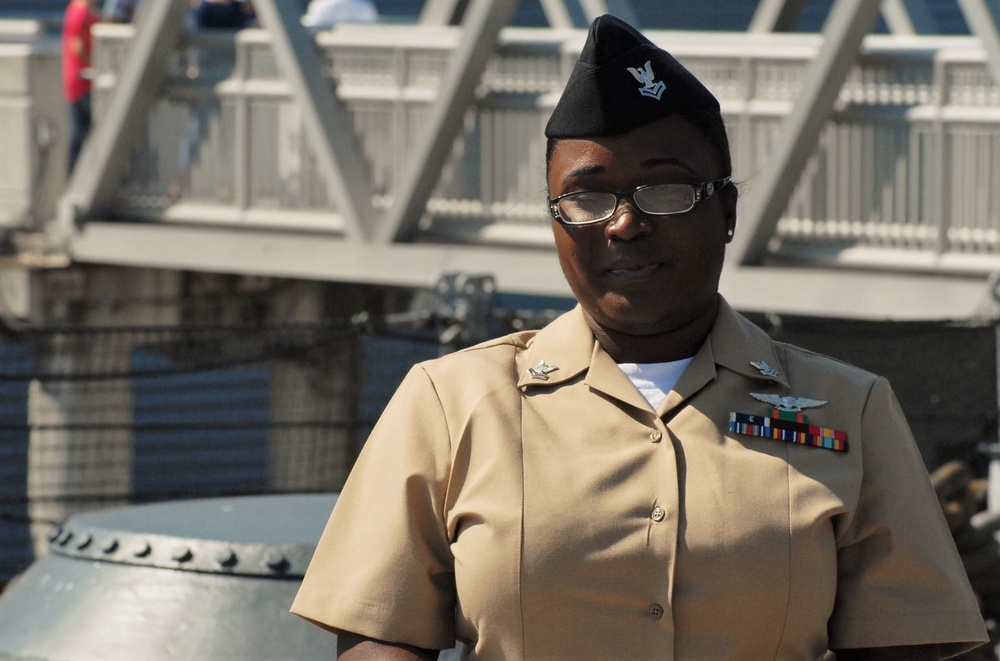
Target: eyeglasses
(589, 207)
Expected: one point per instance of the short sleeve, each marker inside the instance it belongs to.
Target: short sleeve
(383, 566)
(900, 578)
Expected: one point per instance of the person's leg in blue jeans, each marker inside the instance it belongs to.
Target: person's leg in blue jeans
(79, 127)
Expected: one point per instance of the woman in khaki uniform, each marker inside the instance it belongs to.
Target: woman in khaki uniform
(650, 476)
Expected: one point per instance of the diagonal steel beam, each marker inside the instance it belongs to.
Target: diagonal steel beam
(621, 8)
(902, 16)
(897, 17)
(593, 8)
(93, 185)
(845, 28)
(556, 13)
(908, 17)
(776, 16)
(624, 10)
(441, 12)
(324, 116)
(483, 21)
(983, 17)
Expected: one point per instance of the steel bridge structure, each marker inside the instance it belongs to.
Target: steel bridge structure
(388, 154)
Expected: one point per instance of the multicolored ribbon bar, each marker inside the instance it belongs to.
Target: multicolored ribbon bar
(790, 427)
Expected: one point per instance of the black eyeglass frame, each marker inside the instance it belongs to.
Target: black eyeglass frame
(702, 192)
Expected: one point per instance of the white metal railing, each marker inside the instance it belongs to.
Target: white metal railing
(33, 118)
(906, 169)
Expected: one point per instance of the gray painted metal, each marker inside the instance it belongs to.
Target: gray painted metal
(556, 13)
(620, 8)
(983, 17)
(439, 12)
(624, 9)
(482, 24)
(316, 256)
(323, 113)
(593, 8)
(848, 294)
(897, 16)
(871, 295)
(33, 165)
(202, 579)
(902, 16)
(517, 250)
(908, 17)
(776, 16)
(846, 27)
(93, 184)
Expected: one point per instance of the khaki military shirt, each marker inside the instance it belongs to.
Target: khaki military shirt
(556, 516)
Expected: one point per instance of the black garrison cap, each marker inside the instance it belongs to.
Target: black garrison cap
(622, 81)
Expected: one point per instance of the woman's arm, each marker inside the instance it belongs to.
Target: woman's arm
(354, 647)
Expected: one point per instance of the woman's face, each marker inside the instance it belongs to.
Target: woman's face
(634, 273)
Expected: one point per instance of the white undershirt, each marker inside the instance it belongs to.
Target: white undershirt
(655, 380)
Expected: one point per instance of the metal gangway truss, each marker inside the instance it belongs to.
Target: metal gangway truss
(388, 154)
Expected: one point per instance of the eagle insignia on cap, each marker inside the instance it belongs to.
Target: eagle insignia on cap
(651, 88)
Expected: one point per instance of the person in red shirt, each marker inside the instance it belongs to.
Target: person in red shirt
(80, 16)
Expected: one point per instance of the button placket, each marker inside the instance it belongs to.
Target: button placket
(662, 523)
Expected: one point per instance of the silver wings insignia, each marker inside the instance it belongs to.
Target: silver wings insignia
(794, 404)
(764, 368)
(541, 370)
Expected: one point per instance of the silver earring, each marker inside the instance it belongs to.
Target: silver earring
(729, 233)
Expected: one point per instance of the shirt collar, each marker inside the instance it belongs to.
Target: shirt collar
(736, 344)
(568, 344)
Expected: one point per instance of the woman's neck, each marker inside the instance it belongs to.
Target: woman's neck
(677, 344)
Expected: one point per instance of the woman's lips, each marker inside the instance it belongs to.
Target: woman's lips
(634, 272)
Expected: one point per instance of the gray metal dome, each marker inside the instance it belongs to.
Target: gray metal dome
(203, 579)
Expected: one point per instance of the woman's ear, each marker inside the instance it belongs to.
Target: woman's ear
(730, 196)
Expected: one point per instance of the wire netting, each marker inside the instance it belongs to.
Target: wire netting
(92, 418)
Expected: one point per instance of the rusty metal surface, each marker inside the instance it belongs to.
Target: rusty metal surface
(207, 579)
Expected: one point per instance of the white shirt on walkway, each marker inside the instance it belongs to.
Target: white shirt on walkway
(326, 13)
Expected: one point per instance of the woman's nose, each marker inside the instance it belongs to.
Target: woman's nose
(628, 223)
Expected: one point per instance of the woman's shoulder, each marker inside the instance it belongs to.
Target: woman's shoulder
(804, 364)
(497, 355)
(736, 337)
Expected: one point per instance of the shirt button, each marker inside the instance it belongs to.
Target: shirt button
(655, 436)
(656, 611)
(658, 513)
